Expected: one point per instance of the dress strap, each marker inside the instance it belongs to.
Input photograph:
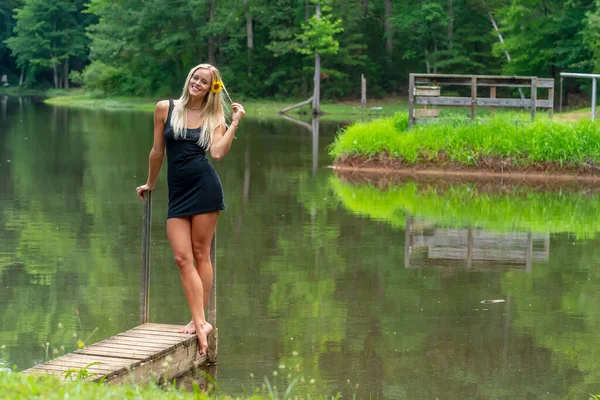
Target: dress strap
(171, 106)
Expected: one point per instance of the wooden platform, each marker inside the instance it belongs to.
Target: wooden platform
(142, 354)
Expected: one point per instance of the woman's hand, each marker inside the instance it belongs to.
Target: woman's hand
(238, 112)
(141, 189)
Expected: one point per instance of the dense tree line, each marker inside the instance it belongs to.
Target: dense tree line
(145, 47)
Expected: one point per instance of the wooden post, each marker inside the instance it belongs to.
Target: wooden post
(473, 98)
(492, 96)
(363, 91)
(145, 279)
(470, 243)
(560, 100)
(533, 97)
(407, 233)
(529, 253)
(551, 98)
(411, 101)
(212, 304)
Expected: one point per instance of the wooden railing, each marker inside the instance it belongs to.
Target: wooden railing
(425, 89)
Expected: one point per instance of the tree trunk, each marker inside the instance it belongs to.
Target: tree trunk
(435, 56)
(306, 11)
(427, 66)
(54, 74)
(211, 37)
(450, 23)
(66, 72)
(22, 75)
(364, 7)
(388, 27)
(249, 36)
(317, 79)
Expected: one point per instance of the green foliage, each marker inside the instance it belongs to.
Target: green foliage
(318, 34)
(108, 79)
(506, 138)
(154, 43)
(47, 34)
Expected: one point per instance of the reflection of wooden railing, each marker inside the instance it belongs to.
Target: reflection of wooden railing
(427, 244)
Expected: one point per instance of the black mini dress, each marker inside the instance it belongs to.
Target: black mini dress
(194, 186)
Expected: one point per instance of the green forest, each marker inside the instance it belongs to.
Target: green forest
(266, 49)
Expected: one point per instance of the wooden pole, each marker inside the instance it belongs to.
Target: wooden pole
(411, 100)
(407, 235)
(551, 98)
(363, 91)
(533, 97)
(560, 100)
(492, 96)
(316, 105)
(145, 279)
(473, 98)
(212, 304)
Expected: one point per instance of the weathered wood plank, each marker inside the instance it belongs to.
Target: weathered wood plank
(427, 91)
(137, 340)
(121, 354)
(110, 348)
(427, 113)
(91, 359)
(160, 333)
(444, 101)
(159, 327)
(152, 338)
(122, 342)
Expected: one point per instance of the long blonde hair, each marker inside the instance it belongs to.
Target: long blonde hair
(213, 113)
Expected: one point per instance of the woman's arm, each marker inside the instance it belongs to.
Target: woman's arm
(157, 153)
(221, 140)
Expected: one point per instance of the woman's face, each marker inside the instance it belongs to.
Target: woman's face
(200, 83)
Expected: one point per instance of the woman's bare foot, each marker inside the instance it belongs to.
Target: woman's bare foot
(202, 333)
(189, 328)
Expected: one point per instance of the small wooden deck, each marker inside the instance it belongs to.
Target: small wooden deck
(142, 354)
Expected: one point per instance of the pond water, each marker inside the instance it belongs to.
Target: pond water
(381, 290)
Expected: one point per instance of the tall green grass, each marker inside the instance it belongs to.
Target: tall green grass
(508, 137)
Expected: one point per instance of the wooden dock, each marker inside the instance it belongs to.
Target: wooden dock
(148, 352)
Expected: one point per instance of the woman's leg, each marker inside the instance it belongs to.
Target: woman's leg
(179, 232)
(203, 230)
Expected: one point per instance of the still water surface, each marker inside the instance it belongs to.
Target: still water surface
(382, 291)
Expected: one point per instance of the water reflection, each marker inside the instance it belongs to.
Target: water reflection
(480, 249)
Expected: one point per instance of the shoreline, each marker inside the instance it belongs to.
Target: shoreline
(262, 108)
(460, 173)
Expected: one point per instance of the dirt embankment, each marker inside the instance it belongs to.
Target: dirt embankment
(485, 170)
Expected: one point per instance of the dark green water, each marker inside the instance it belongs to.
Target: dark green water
(314, 273)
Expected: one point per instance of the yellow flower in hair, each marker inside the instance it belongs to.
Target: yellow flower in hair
(216, 86)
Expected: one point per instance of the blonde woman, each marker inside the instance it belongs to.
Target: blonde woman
(188, 128)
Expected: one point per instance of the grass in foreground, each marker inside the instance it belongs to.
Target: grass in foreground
(505, 141)
(16, 386)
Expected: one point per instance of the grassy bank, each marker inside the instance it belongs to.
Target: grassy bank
(505, 142)
(256, 108)
(16, 386)
(506, 209)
